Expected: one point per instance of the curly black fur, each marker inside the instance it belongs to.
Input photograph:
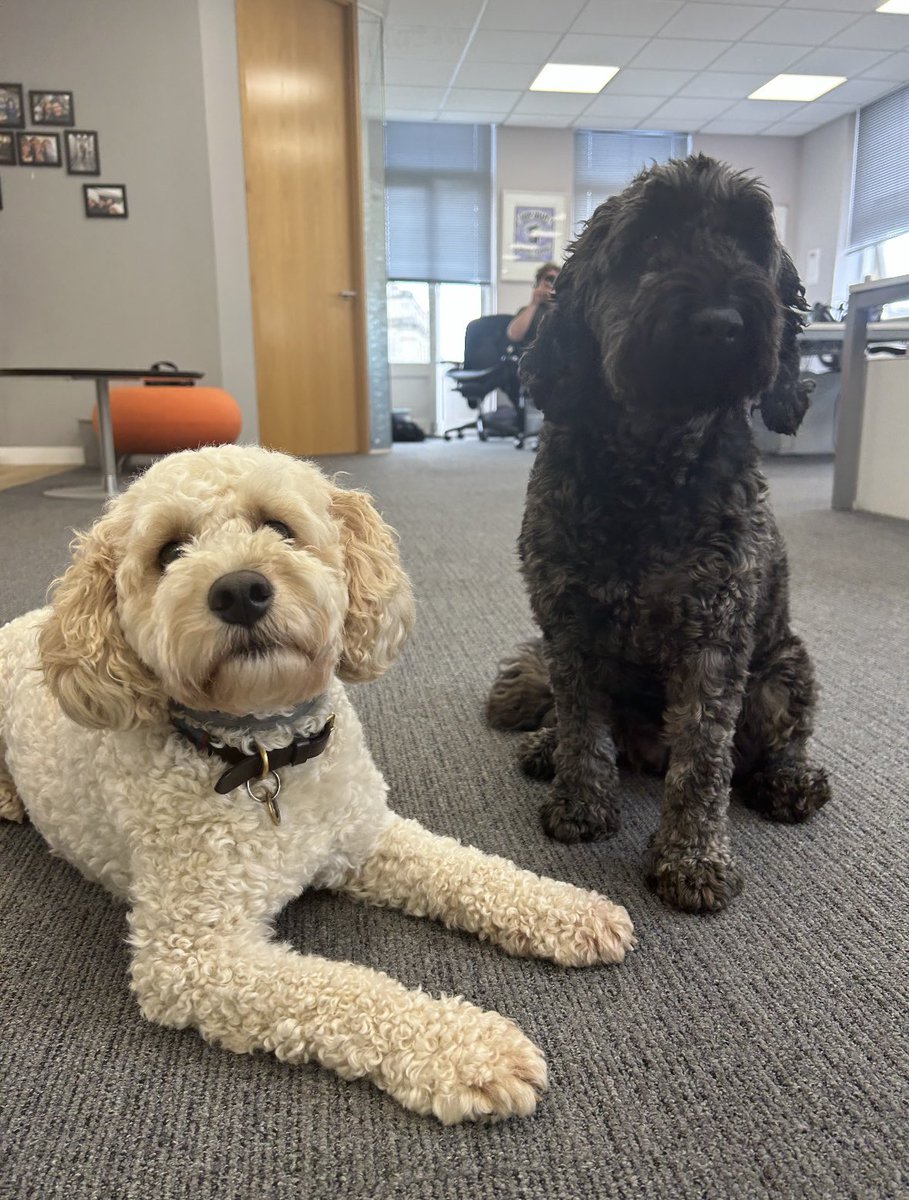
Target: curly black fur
(654, 565)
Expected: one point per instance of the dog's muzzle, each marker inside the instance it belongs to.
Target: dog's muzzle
(241, 598)
(718, 331)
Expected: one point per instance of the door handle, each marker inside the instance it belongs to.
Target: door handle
(348, 295)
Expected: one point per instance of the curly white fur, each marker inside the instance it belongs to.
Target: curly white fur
(88, 751)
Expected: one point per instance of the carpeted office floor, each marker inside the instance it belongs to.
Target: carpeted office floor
(760, 1053)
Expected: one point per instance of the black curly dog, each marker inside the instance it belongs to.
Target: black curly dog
(655, 568)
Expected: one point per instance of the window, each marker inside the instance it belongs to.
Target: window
(880, 182)
(409, 323)
(879, 214)
(438, 198)
(605, 163)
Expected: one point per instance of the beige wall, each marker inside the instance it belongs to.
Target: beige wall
(81, 292)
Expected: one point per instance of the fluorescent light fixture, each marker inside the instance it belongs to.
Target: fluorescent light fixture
(572, 77)
(894, 6)
(797, 87)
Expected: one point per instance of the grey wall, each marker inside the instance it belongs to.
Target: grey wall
(83, 292)
(825, 171)
(774, 159)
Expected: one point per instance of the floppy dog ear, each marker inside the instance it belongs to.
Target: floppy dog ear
(87, 663)
(561, 367)
(784, 405)
(380, 608)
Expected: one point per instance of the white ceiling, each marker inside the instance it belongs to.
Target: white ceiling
(684, 67)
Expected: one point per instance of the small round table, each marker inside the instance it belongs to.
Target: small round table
(102, 377)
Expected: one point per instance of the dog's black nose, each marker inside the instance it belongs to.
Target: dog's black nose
(240, 598)
(718, 328)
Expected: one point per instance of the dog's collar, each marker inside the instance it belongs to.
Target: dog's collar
(259, 764)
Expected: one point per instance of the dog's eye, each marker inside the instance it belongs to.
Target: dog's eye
(280, 529)
(170, 552)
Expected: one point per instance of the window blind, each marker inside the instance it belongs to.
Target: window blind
(438, 202)
(605, 163)
(880, 182)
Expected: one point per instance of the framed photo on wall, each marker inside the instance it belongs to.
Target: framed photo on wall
(533, 232)
(51, 108)
(105, 200)
(12, 115)
(38, 149)
(82, 152)
(7, 149)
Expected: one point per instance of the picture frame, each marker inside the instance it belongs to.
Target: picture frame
(38, 149)
(12, 112)
(534, 226)
(105, 200)
(82, 156)
(46, 107)
(7, 149)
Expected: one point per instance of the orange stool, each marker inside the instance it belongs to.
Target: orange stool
(163, 418)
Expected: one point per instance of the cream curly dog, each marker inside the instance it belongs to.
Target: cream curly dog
(197, 642)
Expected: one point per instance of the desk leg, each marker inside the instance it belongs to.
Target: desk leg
(106, 438)
(851, 409)
(109, 487)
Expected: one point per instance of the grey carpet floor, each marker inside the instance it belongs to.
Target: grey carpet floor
(758, 1053)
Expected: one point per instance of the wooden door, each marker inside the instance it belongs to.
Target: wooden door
(298, 73)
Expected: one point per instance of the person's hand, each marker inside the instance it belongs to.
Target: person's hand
(543, 293)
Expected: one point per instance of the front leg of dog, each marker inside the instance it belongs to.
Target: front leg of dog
(691, 865)
(582, 805)
(239, 988)
(431, 876)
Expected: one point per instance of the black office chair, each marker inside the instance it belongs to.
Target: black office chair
(489, 365)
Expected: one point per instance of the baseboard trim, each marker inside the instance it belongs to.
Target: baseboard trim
(41, 456)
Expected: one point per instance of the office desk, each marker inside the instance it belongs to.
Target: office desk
(102, 377)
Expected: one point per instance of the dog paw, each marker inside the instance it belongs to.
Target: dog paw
(468, 1065)
(583, 928)
(535, 753)
(790, 794)
(693, 882)
(11, 807)
(569, 820)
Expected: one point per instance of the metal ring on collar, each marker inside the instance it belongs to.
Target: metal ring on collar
(268, 797)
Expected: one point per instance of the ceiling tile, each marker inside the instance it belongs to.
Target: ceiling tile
(825, 111)
(643, 18)
(414, 97)
(632, 82)
(456, 116)
(894, 68)
(439, 13)
(606, 124)
(599, 51)
(679, 54)
(799, 26)
(723, 85)
(858, 91)
(837, 60)
(417, 72)
(538, 119)
(480, 99)
(606, 105)
(442, 45)
(505, 75)
(880, 31)
(854, 6)
(768, 111)
(530, 15)
(687, 110)
(571, 104)
(743, 128)
(495, 46)
(714, 21)
(757, 56)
